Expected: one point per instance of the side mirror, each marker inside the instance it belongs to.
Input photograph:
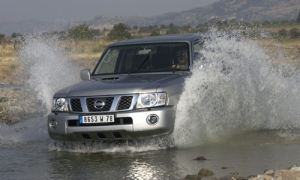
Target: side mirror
(85, 74)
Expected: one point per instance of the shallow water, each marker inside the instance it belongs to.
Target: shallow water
(42, 158)
(11, 85)
(245, 120)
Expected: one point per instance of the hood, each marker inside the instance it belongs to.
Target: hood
(118, 84)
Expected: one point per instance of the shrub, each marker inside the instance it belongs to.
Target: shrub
(282, 33)
(81, 32)
(119, 32)
(294, 33)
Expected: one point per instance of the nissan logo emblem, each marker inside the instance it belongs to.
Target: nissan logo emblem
(99, 104)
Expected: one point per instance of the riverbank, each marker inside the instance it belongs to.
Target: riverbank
(291, 173)
(17, 103)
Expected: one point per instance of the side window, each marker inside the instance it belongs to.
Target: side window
(196, 49)
(108, 62)
(182, 57)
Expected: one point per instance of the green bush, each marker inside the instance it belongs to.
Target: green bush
(81, 32)
(294, 33)
(119, 32)
(154, 33)
(282, 32)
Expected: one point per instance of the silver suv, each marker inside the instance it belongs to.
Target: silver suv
(132, 92)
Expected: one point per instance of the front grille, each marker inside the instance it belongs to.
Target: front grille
(103, 103)
(124, 102)
(76, 105)
(91, 101)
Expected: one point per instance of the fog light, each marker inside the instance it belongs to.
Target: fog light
(152, 119)
(52, 124)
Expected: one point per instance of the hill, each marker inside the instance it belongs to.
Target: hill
(240, 10)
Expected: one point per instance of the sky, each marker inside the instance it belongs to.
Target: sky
(77, 10)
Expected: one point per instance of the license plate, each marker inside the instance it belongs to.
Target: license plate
(96, 119)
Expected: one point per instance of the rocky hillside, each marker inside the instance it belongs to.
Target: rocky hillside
(247, 10)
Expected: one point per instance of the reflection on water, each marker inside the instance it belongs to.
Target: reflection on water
(140, 165)
(249, 154)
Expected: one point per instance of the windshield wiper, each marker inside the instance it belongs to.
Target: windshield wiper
(137, 67)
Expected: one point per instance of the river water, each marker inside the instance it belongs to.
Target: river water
(245, 120)
(37, 157)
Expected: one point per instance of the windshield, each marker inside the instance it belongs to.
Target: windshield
(144, 58)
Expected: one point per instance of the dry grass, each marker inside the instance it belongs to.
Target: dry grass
(285, 44)
(86, 49)
(7, 50)
(284, 51)
(84, 53)
(10, 67)
(291, 43)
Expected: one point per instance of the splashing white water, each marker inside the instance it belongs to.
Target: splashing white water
(48, 71)
(48, 68)
(29, 132)
(235, 88)
(112, 147)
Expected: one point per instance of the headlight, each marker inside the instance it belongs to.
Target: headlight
(60, 104)
(151, 100)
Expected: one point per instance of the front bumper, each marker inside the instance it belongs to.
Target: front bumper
(131, 125)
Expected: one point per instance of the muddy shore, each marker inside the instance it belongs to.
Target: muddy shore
(291, 173)
(18, 103)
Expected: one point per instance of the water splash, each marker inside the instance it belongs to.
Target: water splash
(235, 88)
(32, 132)
(49, 70)
(48, 67)
(111, 146)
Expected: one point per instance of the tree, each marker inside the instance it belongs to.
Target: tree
(162, 26)
(173, 29)
(154, 33)
(119, 32)
(14, 35)
(186, 28)
(96, 32)
(81, 32)
(282, 32)
(298, 18)
(1, 36)
(135, 27)
(17, 38)
(294, 33)
(171, 26)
